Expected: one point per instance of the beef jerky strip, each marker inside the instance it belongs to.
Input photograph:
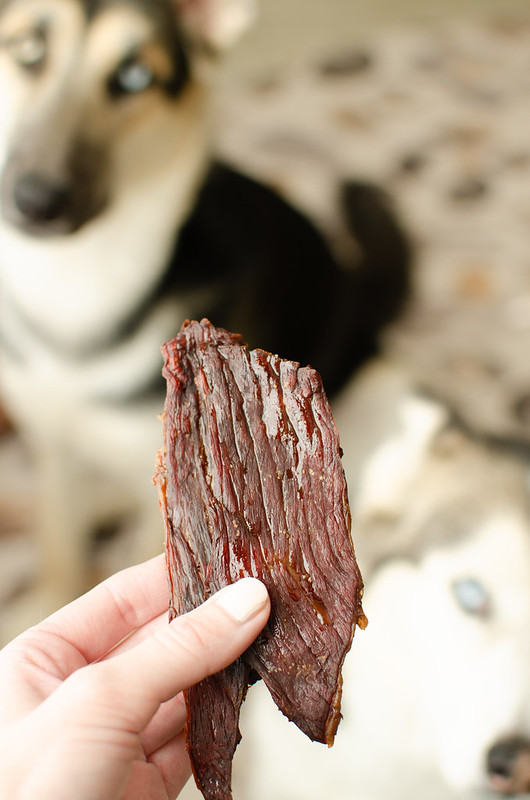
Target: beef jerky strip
(251, 483)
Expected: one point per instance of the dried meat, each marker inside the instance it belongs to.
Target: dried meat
(251, 483)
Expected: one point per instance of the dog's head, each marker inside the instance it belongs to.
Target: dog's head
(442, 531)
(97, 94)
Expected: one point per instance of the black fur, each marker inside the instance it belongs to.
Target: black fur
(278, 283)
(275, 280)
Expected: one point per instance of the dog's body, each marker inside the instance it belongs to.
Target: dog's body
(116, 226)
(441, 524)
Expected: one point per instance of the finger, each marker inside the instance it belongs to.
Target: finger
(139, 635)
(168, 721)
(164, 775)
(100, 619)
(35, 664)
(173, 763)
(130, 687)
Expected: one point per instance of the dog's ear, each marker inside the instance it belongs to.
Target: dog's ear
(215, 24)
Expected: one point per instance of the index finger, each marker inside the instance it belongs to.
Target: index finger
(104, 616)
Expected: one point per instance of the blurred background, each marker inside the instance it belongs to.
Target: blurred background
(288, 30)
(432, 102)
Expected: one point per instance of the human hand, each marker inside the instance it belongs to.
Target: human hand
(90, 699)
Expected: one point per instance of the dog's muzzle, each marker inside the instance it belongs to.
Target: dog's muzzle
(40, 201)
(52, 202)
(508, 765)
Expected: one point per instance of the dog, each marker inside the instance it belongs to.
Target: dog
(117, 223)
(436, 692)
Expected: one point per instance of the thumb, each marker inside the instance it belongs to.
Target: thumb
(133, 684)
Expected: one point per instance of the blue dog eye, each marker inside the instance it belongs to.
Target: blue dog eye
(472, 596)
(28, 49)
(132, 77)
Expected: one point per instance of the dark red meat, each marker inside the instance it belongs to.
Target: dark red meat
(251, 483)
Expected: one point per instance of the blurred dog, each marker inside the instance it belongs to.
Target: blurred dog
(116, 225)
(436, 694)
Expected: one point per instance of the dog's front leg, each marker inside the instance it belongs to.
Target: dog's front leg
(60, 532)
(63, 526)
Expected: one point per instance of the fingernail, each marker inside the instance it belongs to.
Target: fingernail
(242, 600)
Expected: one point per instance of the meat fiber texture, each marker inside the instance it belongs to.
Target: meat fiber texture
(251, 483)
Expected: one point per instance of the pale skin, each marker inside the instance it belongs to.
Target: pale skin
(91, 699)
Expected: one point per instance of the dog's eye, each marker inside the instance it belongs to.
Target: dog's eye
(28, 49)
(131, 77)
(472, 596)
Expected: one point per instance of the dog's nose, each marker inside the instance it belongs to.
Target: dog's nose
(508, 765)
(39, 199)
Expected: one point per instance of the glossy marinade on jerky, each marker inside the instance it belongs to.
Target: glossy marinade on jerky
(251, 483)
